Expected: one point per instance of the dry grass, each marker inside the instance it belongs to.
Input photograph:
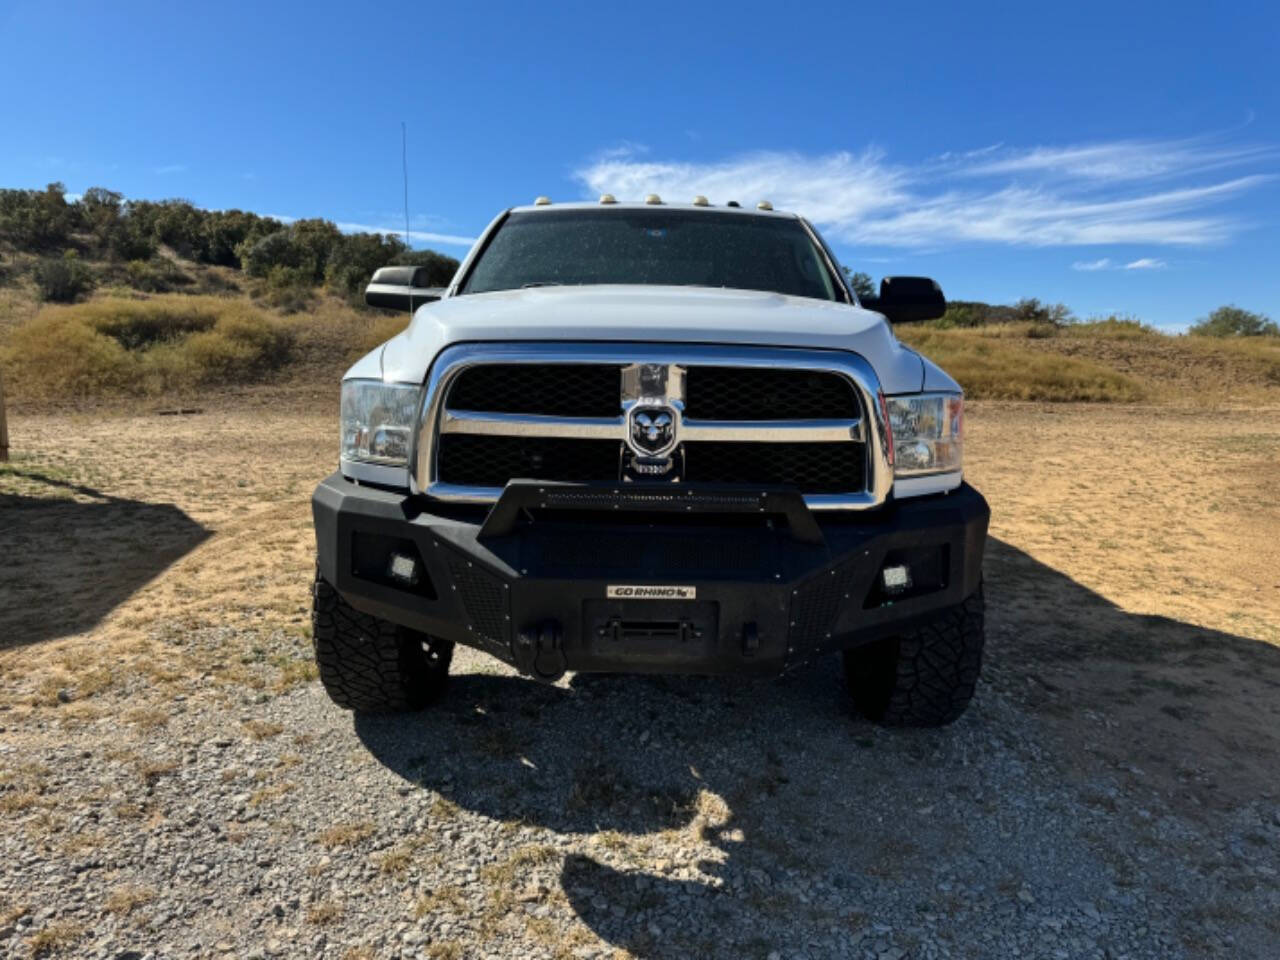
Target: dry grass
(263, 729)
(380, 329)
(57, 937)
(448, 898)
(294, 673)
(1106, 360)
(992, 363)
(147, 718)
(323, 913)
(11, 912)
(345, 834)
(266, 794)
(16, 801)
(116, 345)
(445, 950)
(123, 900)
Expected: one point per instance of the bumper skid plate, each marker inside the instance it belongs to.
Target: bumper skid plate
(719, 580)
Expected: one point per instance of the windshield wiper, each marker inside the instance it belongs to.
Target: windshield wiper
(541, 283)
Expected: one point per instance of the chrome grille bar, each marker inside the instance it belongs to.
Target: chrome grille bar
(530, 425)
(773, 431)
(634, 358)
(610, 428)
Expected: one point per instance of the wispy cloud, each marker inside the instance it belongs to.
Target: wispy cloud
(1120, 160)
(423, 236)
(1106, 263)
(1126, 192)
(170, 168)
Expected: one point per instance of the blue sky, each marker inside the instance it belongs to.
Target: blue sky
(1114, 157)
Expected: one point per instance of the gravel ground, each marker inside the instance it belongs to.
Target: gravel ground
(173, 783)
(664, 817)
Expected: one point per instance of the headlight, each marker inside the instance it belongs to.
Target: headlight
(927, 431)
(378, 420)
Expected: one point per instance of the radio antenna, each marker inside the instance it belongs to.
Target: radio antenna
(404, 163)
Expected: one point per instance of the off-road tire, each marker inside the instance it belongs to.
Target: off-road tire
(924, 678)
(371, 665)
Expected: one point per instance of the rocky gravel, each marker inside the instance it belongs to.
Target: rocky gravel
(613, 816)
(173, 785)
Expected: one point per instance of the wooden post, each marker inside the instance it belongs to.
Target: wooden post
(4, 427)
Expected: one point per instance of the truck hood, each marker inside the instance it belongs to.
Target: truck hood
(643, 314)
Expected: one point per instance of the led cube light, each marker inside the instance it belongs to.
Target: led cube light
(403, 568)
(896, 578)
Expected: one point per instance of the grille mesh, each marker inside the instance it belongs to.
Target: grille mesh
(810, 467)
(746, 393)
(560, 390)
(816, 604)
(483, 461)
(483, 598)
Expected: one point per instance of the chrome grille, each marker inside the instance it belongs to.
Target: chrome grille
(490, 461)
(734, 393)
(812, 467)
(802, 419)
(582, 389)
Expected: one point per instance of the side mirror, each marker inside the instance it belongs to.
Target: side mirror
(400, 288)
(908, 299)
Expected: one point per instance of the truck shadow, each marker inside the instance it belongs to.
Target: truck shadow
(784, 819)
(70, 554)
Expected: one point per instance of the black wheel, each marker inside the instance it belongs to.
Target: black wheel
(370, 665)
(924, 678)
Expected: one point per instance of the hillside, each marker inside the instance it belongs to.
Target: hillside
(104, 300)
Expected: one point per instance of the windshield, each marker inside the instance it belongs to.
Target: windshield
(667, 247)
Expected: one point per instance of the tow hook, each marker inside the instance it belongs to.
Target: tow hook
(539, 651)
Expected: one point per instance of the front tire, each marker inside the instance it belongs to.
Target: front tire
(924, 678)
(371, 665)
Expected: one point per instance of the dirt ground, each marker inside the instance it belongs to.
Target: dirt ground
(1133, 589)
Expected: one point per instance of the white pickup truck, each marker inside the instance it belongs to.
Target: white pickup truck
(649, 437)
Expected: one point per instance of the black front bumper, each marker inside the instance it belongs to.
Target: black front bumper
(757, 588)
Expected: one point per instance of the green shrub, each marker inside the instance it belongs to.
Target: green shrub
(1031, 310)
(156, 276)
(353, 261)
(99, 213)
(179, 224)
(274, 250)
(226, 231)
(287, 288)
(961, 315)
(1114, 327)
(63, 279)
(861, 283)
(122, 346)
(315, 241)
(36, 219)
(1232, 321)
(129, 239)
